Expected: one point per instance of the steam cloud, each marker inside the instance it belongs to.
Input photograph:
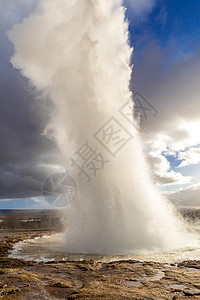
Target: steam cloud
(77, 53)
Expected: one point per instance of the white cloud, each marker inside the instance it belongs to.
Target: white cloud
(161, 172)
(187, 197)
(189, 157)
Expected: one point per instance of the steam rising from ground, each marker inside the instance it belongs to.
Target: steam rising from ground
(77, 53)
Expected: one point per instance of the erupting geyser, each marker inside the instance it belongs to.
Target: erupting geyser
(77, 52)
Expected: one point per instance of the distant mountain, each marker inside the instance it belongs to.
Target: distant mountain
(25, 203)
(187, 197)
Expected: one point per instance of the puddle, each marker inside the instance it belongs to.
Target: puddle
(131, 283)
(158, 276)
(135, 265)
(178, 287)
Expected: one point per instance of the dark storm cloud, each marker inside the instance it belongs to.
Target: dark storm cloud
(23, 149)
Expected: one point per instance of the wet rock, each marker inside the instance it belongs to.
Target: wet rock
(61, 284)
(192, 264)
(7, 290)
(191, 292)
(177, 287)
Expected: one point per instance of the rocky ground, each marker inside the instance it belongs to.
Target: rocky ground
(91, 280)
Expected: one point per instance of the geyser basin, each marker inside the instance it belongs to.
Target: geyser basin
(51, 248)
(77, 53)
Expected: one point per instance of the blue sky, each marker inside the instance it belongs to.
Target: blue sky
(169, 20)
(171, 25)
(165, 35)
